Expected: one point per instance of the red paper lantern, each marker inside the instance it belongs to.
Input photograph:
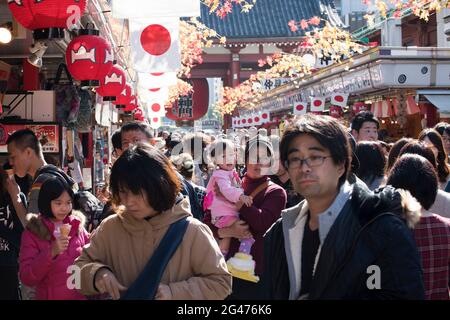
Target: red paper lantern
(359, 107)
(47, 18)
(132, 105)
(336, 111)
(124, 98)
(138, 114)
(193, 106)
(89, 58)
(112, 84)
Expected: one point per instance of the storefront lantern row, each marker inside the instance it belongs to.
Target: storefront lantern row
(112, 84)
(47, 18)
(132, 105)
(89, 58)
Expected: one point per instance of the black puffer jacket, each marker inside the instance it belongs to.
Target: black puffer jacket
(372, 231)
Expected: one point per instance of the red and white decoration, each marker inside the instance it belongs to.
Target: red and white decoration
(411, 105)
(155, 45)
(158, 94)
(300, 108)
(257, 119)
(382, 109)
(359, 107)
(265, 117)
(125, 97)
(336, 112)
(157, 79)
(155, 122)
(317, 104)
(112, 84)
(138, 114)
(156, 108)
(89, 58)
(124, 9)
(40, 14)
(339, 99)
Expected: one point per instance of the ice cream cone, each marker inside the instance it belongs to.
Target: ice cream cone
(65, 229)
(10, 172)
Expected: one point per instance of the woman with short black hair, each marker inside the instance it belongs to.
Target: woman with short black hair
(146, 190)
(432, 234)
(372, 164)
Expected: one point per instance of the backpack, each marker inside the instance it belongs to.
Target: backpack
(84, 201)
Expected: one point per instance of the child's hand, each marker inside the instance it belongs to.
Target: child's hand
(247, 200)
(60, 245)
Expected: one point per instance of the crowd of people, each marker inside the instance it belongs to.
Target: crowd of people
(320, 211)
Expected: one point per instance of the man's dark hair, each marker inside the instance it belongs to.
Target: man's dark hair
(364, 116)
(328, 132)
(414, 173)
(138, 126)
(442, 159)
(372, 160)
(143, 168)
(419, 148)
(440, 127)
(395, 150)
(116, 140)
(25, 138)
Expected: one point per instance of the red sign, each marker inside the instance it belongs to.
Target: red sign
(47, 134)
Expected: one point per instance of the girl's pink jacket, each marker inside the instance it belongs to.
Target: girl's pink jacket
(37, 267)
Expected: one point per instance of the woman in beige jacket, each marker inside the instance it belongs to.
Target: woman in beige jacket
(144, 182)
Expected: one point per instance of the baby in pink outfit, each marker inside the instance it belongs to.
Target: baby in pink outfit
(223, 211)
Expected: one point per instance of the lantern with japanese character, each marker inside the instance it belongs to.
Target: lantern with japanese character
(112, 84)
(89, 58)
(47, 18)
(193, 106)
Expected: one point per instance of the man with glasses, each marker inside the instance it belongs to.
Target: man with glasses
(342, 241)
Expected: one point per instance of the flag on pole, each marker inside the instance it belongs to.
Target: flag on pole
(134, 9)
(159, 94)
(300, 108)
(317, 104)
(339, 99)
(155, 45)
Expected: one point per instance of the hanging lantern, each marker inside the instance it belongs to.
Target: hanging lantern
(132, 105)
(89, 58)
(47, 18)
(124, 98)
(336, 112)
(138, 114)
(194, 106)
(112, 84)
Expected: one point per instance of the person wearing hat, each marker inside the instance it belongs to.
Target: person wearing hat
(269, 199)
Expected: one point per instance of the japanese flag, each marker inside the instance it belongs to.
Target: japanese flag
(257, 119)
(126, 9)
(265, 117)
(339, 99)
(156, 108)
(160, 94)
(317, 104)
(157, 79)
(155, 45)
(155, 121)
(300, 108)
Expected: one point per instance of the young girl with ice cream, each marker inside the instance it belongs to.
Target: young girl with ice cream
(51, 243)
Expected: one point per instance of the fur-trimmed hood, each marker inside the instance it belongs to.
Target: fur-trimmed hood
(386, 199)
(43, 228)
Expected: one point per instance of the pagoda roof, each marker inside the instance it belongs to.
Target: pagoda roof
(269, 18)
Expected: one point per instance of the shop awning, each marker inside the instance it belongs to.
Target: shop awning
(440, 101)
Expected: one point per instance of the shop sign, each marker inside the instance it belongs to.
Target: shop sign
(47, 134)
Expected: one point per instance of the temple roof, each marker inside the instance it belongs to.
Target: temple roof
(269, 18)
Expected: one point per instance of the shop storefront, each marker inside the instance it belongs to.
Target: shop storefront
(407, 88)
